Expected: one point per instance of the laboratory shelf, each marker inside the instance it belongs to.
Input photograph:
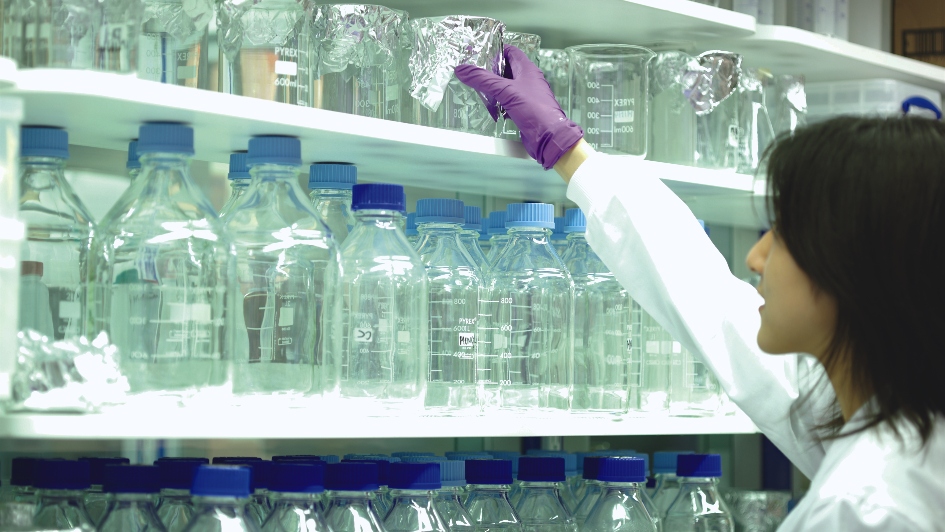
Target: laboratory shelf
(284, 423)
(7, 73)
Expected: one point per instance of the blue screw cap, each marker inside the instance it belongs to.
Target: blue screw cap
(298, 458)
(238, 167)
(622, 469)
(440, 210)
(97, 467)
(259, 479)
(591, 467)
(453, 473)
(411, 226)
(21, 471)
(222, 481)
(122, 478)
(383, 467)
(44, 141)
(401, 454)
(512, 456)
(574, 221)
(461, 455)
(341, 176)
(351, 476)
(422, 459)
(558, 232)
(541, 469)
(274, 149)
(61, 474)
(297, 477)
(165, 137)
(699, 465)
(489, 471)
(541, 215)
(472, 218)
(133, 160)
(178, 474)
(422, 476)
(378, 196)
(497, 223)
(665, 461)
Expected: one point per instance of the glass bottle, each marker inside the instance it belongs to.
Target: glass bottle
(448, 500)
(382, 497)
(221, 494)
(132, 490)
(454, 283)
(620, 507)
(287, 271)
(540, 505)
(60, 486)
(410, 229)
(22, 479)
(414, 487)
(159, 280)
(96, 498)
(698, 506)
(385, 297)
(528, 364)
(603, 369)
(330, 185)
(559, 238)
(59, 230)
(239, 179)
(667, 483)
(591, 492)
(259, 505)
(133, 165)
(656, 349)
(488, 499)
(175, 508)
(351, 487)
(484, 243)
(470, 238)
(295, 488)
(498, 235)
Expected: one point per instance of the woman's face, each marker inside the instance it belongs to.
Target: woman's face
(795, 317)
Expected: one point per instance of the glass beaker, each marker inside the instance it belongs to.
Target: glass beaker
(530, 44)
(609, 95)
(672, 118)
(173, 43)
(554, 64)
(786, 102)
(357, 49)
(714, 98)
(440, 44)
(265, 49)
(116, 43)
(50, 33)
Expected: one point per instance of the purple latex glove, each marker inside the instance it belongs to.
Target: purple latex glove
(527, 99)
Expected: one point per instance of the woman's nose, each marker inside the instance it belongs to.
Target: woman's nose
(758, 254)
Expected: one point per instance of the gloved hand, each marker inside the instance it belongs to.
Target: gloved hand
(527, 99)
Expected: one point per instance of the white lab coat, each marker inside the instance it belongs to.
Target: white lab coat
(651, 241)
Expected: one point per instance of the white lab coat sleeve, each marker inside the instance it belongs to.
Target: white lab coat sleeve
(841, 514)
(655, 247)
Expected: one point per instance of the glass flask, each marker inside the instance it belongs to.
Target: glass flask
(259, 505)
(414, 487)
(498, 235)
(352, 507)
(472, 225)
(448, 500)
(698, 506)
(96, 498)
(59, 230)
(239, 179)
(603, 367)
(221, 494)
(160, 274)
(50, 33)
(410, 229)
(620, 507)
(175, 508)
(357, 50)
(330, 185)
(609, 96)
(287, 271)
(172, 47)
(531, 45)
(529, 311)
(265, 49)
(295, 489)
(119, 27)
(385, 297)
(454, 283)
(132, 490)
(554, 64)
(488, 496)
(591, 492)
(60, 486)
(540, 505)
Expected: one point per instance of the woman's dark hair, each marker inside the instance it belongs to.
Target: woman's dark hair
(860, 205)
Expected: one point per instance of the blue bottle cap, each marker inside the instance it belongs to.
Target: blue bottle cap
(97, 467)
(259, 478)
(351, 476)
(646, 461)
(453, 472)
(570, 459)
(665, 461)
(21, 471)
(540, 215)
(401, 454)
(591, 467)
(297, 477)
(383, 468)
(123, 478)
(472, 218)
(439, 210)
(377, 196)
(423, 476)
(165, 137)
(298, 458)
(541, 469)
(61, 474)
(497, 223)
(467, 455)
(403, 208)
(489, 471)
(44, 141)
(574, 221)
(699, 465)
(238, 168)
(360, 457)
(411, 226)
(332, 175)
(178, 474)
(274, 149)
(622, 469)
(422, 459)
(513, 456)
(222, 481)
(558, 232)
(133, 160)
(182, 459)
(236, 459)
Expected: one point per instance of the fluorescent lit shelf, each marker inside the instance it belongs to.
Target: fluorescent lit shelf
(246, 423)
(7, 72)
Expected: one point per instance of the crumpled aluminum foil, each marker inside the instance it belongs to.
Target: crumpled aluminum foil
(757, 511)
(357, 35)
(674, 70)
(716, 80)
(526, 42)
(237, 20)
(185, 21)
(74, 375)
(754, 124)
(440, 44)
(786, 99)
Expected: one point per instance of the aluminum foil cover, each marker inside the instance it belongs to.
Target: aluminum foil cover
(73, 375)
(440, 44)
(674, 70)
(185, 21)
(716, 80)
(358, 35)
(273, 22)
(757, 511)
(526, 42)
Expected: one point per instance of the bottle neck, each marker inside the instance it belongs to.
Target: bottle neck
(169, 493)
(332, 194)
(412, 494)
(239, 185)
(133, 497)
(527, 484)
(498, 237)
(491, 489)
(452, 490)
(710, 482)
(167, 161)
(293, 497)
(531, 233)
(352, 495)
(275, 172)
(41, 172)
(623, 486)
(381, 219)
(220, 502)
(437, 229)
(49, 494)
(577, 239)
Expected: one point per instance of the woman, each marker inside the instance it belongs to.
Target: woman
(852, 274)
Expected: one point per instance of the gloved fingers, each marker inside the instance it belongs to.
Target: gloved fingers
(520, 64)
(481, 79)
